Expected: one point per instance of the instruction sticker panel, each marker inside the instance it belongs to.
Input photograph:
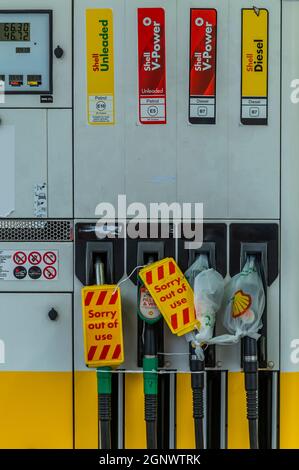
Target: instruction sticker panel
(25, 265)
(100, 66)
(102, 321)
(254, 99)
(152, 65)
(203, 43)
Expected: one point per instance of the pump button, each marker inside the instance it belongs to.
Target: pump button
(58, 52)
(53, 314)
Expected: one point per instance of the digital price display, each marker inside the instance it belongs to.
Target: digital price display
(14, 31)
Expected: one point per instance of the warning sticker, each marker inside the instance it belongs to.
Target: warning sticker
(35, 265)
(152, 65)
(40, 200)
(147, 308)
(203, 43)
(172, 295)
(100, 66)
(254, 99)
(102, 326)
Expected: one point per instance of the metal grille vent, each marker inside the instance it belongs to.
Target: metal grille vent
(36, 230)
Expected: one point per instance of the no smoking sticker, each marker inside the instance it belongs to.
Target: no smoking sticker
(50, 258)
(29, 265)
(34, 258)
(50, 272)
(20, 257)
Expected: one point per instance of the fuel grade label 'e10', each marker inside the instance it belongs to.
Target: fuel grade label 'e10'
(152, 65)
(100, 66)
(203, 58)
(255, 43)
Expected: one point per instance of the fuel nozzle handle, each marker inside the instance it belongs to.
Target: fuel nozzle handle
(150, 380)
(99, 269)
(250, 365)
(197, 368)
(104, 380)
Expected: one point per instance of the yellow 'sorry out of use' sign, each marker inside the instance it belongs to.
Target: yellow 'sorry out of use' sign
(102, 326)
(100, 66)
(172, 295)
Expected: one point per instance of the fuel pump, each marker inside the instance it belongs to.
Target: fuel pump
(208, 293)
(251, 366)
(104, 377)
(245, 305)
(150, 315)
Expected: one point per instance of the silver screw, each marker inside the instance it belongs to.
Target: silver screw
(271, 365)
(219, 364)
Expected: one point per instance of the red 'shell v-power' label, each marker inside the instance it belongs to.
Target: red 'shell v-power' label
(203, 55)
(152, 65)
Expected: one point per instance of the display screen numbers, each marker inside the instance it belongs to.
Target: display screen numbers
(14, 31)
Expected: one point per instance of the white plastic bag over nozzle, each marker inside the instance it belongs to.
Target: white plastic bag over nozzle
(244, 305)
(208, 287)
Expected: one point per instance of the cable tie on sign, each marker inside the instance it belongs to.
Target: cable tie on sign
(128, 277)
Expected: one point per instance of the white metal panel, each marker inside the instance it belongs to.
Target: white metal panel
(60, 164)
(203, 149)
(99, 150)
(150, 150)
(254, 151)
(78, 328)
(62, 68)
(32, 341)
(290, 187)
(30, 155)
(64, 282)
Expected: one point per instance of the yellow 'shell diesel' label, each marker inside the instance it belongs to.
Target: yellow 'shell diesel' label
(254, 109)
(100, 66)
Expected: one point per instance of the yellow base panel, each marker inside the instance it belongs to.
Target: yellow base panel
(135, 429)
(185, 438)
(36, 410)
(289, 410)
(238, 436)
(86, 410)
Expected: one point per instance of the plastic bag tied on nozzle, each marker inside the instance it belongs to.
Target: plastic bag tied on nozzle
(244, 304)
(208, 286)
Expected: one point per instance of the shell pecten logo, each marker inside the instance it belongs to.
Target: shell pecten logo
(241, 304)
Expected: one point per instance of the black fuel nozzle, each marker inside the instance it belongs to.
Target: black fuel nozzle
(197, 368)
(250, 367)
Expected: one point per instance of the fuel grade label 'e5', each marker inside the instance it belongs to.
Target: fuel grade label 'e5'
(152, 65)
(203, 57)
(172, 294)
(100, 66)
(102, 326)
(255, 43)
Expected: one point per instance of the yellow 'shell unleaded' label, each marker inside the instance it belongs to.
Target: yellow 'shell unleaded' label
(102, 326)
(255, 25)
(172, 295)
(100, 66)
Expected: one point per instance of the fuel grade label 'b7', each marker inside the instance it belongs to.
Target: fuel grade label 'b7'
(254, 99)
(203, 45)
(152, 65)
